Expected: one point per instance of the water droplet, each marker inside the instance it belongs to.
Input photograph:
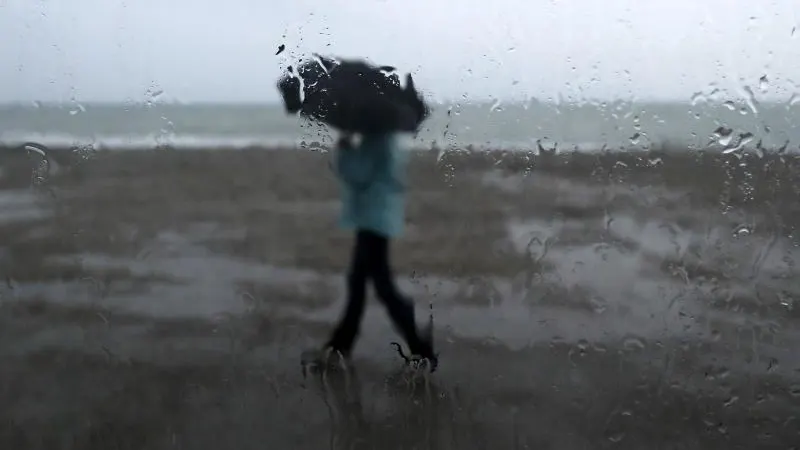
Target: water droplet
(733, 399)
(496, 106)
(84, 151)
(598, 305)
(722, 136)
(750, 99)
(741, 140)
(633, 343)
(793, 100)
(77, 108)
(794, 390)
(763, 83)
(730, 105)
(785, 300)
(697, 97)
(599, 348)
(152, 94)
(742, 231)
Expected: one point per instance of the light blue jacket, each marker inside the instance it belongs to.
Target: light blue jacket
(372, 176)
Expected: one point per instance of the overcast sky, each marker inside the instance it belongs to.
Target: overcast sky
(214, 50)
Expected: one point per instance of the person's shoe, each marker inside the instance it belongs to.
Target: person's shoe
(425, 357)
(324, 359)
(426, 362)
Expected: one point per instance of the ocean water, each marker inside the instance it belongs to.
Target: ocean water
(588, 126)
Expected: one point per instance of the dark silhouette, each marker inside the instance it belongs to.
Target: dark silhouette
(353, 96)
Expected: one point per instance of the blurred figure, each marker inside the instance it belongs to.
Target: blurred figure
(372, 176)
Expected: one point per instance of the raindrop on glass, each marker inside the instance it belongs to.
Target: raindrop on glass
(598, 305)
(730, 401)
(633, 343)
(793, 100)
(76, 109)
(151, 95)
(583, 346)
(742, 231)
(750, 99)
(785, 300)
(763, 83)
(722, 136)
(83, 151)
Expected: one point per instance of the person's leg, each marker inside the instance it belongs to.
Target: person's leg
(400, 309)
(344, 336)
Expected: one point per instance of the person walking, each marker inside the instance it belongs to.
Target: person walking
(373, 181)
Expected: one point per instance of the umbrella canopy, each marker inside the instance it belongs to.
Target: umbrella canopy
(353, 96)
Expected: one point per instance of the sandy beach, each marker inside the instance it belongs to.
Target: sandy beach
(161, 299)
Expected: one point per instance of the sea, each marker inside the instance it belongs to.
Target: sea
(533, 125)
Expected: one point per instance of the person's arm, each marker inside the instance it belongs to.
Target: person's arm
(394, 163)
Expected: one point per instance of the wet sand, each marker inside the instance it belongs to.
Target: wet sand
(162, 299)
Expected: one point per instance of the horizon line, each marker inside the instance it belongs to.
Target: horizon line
(501, 103)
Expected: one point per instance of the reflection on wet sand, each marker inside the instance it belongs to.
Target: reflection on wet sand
(163, 299)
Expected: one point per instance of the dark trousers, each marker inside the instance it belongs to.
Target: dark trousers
(371, 262)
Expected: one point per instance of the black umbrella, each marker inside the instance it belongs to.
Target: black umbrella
(353, 96)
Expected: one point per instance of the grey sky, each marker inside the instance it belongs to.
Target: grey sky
(213, 50)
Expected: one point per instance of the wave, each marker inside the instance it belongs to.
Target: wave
(227, 141)
(185, 141)
(128, 142)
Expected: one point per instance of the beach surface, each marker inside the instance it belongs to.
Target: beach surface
(161, 299)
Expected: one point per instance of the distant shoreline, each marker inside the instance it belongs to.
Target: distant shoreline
(62, 152)
(479, 103)
(615, 126)
(283, 145)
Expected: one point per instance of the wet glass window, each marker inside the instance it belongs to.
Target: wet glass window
(381, 224)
